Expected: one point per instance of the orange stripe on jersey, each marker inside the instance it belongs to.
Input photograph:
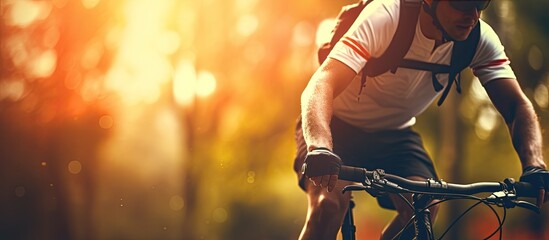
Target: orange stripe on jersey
(357, 47)
(493, 63)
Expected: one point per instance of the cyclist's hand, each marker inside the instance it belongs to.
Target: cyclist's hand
(538, 177)
(322, 167)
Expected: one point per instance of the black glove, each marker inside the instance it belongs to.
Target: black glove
(537, 176)
(320, 162)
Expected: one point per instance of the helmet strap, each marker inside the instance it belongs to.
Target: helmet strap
(431, 10)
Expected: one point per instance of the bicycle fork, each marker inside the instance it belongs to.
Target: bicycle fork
(348, 228)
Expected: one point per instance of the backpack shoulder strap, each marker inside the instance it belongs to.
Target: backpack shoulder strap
(464, 51)
(462, 56)
(345, 20)
(401, 42)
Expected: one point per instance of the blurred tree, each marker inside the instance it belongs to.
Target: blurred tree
(49, 57)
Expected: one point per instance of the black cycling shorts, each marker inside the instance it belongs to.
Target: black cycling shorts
(399, 152)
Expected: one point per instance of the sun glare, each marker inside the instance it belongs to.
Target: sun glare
(43, 64)
(24, 13)
(206, 84)
(141, 66)
(184, 83)
(324, 31)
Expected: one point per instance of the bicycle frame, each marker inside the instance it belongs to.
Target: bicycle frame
(422, 220)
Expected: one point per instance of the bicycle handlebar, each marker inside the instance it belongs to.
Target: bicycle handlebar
(401, 184)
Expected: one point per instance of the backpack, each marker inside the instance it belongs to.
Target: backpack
(393, 58)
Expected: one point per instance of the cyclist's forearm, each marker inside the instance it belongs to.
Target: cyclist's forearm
(526, 136)
(329, 80)
(316, 110)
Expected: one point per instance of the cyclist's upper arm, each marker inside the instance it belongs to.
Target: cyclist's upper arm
(335, 73)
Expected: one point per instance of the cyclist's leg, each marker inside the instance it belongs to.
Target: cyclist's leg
(407, 158)
(404, 214)
(325, 211)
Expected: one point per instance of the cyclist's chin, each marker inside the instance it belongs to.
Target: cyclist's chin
(460, 33)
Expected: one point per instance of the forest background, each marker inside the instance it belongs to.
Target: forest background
(173, 119)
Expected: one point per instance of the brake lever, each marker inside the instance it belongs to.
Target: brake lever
(527, 205)
(504, 199)
(369, 189)
(509, 200)
(355, 188)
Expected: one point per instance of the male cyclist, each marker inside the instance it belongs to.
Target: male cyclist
(373, 129)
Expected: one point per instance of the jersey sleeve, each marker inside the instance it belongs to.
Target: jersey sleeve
(369, 36)
(490, 61)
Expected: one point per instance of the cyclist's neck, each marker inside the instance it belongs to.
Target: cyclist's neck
(428, 27)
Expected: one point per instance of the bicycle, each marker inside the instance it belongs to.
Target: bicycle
(503, 194)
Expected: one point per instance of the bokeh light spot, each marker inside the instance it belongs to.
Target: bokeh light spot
(247, 25)
(303, 34)
(541, 96)
(12, 90)
(43, 64)
(176, 203)
(75, 167)
(106, 122)
(17, 50)
(220, 215)
(89, 4)
(487, 121)
(23, 13)
(184, 85)
(206, 84)
(251, 177)
(478, 93)
(535, 58)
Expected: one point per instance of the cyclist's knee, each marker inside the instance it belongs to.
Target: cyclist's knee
(404, 214)
(326, 209)
(324, 206)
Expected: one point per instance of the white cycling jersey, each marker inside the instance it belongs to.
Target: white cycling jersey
(391, 101)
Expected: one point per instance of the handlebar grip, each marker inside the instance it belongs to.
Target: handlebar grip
(352, 174)
(525, 189)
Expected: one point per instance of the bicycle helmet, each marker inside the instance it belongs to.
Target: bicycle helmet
(430, 7)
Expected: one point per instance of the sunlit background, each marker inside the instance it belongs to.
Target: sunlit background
(173, 119)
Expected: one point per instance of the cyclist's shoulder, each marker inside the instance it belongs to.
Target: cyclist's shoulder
(489, 46)
(380, 14)
(488, 36)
